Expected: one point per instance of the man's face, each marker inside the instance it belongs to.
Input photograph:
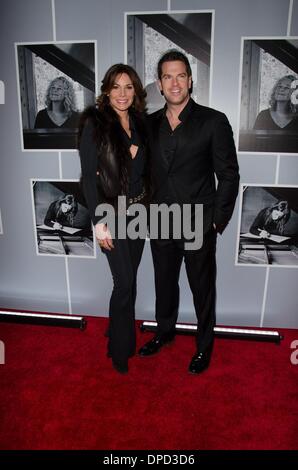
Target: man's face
(175, 82)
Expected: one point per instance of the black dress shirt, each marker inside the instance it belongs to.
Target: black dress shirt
(169, 142)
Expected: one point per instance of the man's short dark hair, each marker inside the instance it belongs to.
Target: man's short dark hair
(170, 56)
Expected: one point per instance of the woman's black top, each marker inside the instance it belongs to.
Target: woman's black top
(264, 121)
(43, 121)
(88, 155)
(138, 162)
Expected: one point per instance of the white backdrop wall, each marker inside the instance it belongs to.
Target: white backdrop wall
(247, 295)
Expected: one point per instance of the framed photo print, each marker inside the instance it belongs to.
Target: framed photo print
(62, 224)
(269, 96)
(56, 81)
(268, 226)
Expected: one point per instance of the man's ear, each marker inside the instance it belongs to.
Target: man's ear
(160, 87)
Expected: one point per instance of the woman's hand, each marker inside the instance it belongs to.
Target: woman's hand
(103, 236)
(264, 234)
(57, 226)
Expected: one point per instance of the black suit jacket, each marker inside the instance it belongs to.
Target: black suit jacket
(205, 149)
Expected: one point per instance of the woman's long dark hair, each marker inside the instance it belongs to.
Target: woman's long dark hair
(70, 200)
(283, 207)
(108, 133)
(107, 126)
(137, 108)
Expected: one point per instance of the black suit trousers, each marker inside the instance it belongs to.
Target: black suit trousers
(201, 273)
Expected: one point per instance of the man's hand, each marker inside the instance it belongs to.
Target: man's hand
(218, 228)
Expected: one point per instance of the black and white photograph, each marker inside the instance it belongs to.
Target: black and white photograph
(269, 96)
(268, 226)
(149, 35)
(62, 223)
(56, 82)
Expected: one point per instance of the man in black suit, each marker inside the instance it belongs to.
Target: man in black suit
(190, 144)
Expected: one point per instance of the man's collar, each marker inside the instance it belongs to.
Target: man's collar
(185, 111)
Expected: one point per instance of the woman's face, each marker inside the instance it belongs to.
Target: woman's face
(122, 93)
(65, 207)
(57, 91)
(276, 214)
(283, 90)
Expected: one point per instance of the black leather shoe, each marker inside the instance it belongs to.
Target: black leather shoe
(107, 332)
(199, 362)
(121, 367)
(109, 354)
(156, 343)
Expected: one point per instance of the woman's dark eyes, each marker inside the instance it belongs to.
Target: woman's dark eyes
(129, 87)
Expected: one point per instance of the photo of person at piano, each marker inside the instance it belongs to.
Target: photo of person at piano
(61, 212)
(271, 220)
(282, 113)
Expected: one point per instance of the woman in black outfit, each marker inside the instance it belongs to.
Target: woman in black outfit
(271, 220)
(114, 162)
(61, 212)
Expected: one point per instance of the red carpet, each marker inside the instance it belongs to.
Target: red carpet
(58, 391)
